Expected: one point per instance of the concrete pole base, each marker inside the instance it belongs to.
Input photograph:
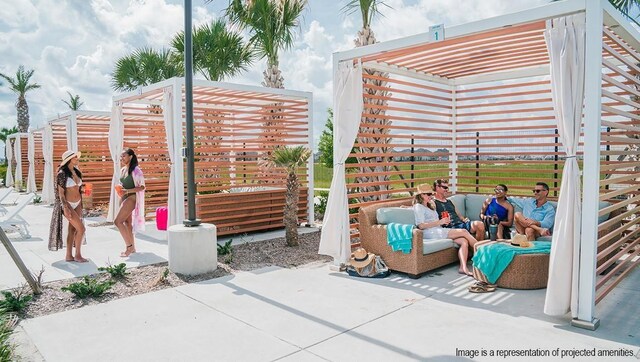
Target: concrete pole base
(193, 250)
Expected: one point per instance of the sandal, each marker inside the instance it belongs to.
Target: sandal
(482, 287)
(126, 253)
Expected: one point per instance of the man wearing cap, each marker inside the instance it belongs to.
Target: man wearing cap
(537, 216)
(441, 189)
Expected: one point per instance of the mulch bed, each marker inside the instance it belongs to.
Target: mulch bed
(148, 278)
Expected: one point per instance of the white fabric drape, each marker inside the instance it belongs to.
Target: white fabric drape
(172, 115)
(31, 177)
(72, 132)
(48, 189)
(8, 181)
(348, 104)
(116, 139)
(17, 154)
(565, 39)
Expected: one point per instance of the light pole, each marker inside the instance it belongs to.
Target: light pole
(188, 106)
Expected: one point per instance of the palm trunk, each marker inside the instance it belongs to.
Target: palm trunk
(371, 125)
(291, 210)
(22, 109)
(273, 76)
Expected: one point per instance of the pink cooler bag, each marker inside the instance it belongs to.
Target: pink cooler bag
(162, 214)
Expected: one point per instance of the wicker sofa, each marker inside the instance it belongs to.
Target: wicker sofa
(422, 258)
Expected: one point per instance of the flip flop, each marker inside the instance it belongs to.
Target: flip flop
(482, 287)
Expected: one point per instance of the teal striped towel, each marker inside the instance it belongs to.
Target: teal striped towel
(399, 236)
(493, 259)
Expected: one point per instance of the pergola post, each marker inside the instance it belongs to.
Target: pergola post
(453, 164)
(591, 167)
(310, 162)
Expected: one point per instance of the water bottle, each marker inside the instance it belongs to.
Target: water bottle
(493, 232)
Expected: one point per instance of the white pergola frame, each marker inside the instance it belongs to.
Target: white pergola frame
(598, 13)
(177, 84)
(16, 150)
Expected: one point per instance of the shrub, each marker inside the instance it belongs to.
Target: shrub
(6, 348)
(89, 287)
(321, 206)
(16, 301)
(37, 199)
(226, 248)
(116, 271)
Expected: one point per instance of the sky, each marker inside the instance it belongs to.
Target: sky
(73, 44)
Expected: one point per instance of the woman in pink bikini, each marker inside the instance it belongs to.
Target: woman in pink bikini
(68, 203)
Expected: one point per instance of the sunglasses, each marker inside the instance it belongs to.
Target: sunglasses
(535, 191)
(444, 187)
(498, 190)
(428, 193)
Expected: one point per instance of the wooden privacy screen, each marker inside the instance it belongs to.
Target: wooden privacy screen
(59, 132)
(38, 157)
(24, 159)
(96, 164)
(233, 131)
(619, 237)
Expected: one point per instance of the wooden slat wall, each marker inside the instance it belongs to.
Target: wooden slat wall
(95, 163)
(24, 159)
(38, 158)
(619, 237)
(59, 132)
(411, 148)
(233, 132)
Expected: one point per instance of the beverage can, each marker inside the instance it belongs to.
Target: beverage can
(445, 214)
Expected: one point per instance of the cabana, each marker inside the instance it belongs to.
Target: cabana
(85, 131)
(36, 160)
(17, 160)
(499, 98)
(235, 127)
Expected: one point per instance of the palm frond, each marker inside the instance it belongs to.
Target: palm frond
(368, 9)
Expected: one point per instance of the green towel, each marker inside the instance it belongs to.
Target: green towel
(493, 259)
(399, 236)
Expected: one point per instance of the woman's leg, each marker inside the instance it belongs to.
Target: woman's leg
(76, 227)
(462, 238)
(124, 224)
(462, 233)
(70, 233)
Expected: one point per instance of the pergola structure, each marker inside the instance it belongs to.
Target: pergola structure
(17, 146)
(36, 160)
(85, 131)
(235, 128)
(501, 100)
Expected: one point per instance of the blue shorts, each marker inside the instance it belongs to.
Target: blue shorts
(460, 225)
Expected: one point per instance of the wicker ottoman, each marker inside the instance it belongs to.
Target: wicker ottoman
(526, 271)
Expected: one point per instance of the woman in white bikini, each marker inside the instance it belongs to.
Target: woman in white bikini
(68, 203)
(130, 218)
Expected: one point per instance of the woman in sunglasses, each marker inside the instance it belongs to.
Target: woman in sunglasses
(498, 210)
(427, 220)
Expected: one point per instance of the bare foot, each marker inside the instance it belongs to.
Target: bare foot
(545, 232)
(80, 259)
(463, 272)
(69, 259)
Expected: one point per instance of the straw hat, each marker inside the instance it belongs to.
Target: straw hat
(423, 188)
(360, 258)
(521, 241)
(68, 155)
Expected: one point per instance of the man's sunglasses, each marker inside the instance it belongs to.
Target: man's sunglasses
(444, 187)
(535, 191)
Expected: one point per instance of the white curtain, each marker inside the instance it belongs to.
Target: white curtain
(72, 132)
(566, 45)
(172, 115)
(48, 188)
(116, 140)
(335, 240)
(9, 152)
(17, 153)
(31, 178)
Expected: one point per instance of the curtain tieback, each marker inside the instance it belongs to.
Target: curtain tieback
(338, 164)
(567, 157)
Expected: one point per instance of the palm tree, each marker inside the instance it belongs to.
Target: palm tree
(271, 26)
(624, 6)
(292, 159)
(377, 97)
(74, 102)
(4, 134)
(20, 85)
(218, 53)
(143, 67)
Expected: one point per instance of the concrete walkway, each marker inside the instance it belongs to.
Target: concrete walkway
(313, 314)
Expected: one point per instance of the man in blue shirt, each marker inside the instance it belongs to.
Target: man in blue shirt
(537, 215)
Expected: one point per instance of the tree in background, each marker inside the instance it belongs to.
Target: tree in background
(143, 67)
(4, 134)
(20, 85)
(291, 159)
(73, 103)
(271, 25)
(373, 129)
(218, 53)
(325, 145)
